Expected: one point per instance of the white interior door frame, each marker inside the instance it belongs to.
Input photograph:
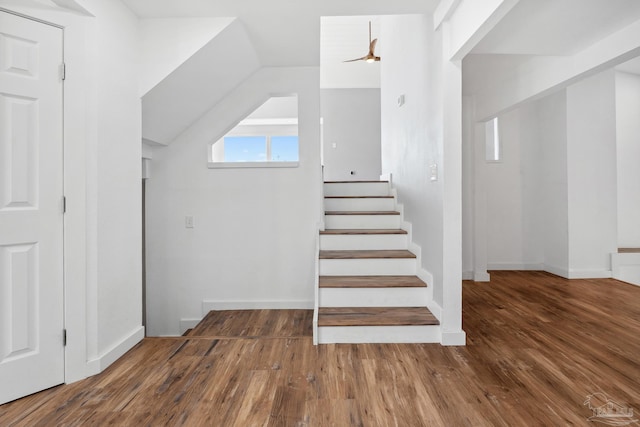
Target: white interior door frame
(78, 135)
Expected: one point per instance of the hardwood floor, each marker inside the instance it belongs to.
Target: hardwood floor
(366, 254)
(538, 345)
(375, 316)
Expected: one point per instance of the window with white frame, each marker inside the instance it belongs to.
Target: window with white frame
(266, 138)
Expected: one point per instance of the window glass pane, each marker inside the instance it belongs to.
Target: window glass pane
(284, 148)
(245, 148)
(492, 141)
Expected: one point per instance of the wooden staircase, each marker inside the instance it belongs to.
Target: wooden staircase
(368, 288)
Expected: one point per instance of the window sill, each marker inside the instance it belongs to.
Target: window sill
(245, 165)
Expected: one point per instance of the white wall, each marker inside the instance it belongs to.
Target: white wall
(412, 133)
(114, 182)
(591, 146)
(628, 154)
(253, 241)
(553, 195)
(551, 201)
(351, 134)
(167, 42)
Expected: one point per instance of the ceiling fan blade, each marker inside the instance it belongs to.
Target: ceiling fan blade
(372, 47)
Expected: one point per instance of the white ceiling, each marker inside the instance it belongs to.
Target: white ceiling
(557, 27)
(284, 32)
(347, 37)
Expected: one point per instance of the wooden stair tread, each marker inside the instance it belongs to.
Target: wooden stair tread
(362, 213)
(375, 316)
(360, 254)
(371, 282)
(355, 182)
(358, 197)
(628, 250)
(350, 231)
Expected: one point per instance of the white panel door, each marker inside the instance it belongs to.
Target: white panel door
(31, 218)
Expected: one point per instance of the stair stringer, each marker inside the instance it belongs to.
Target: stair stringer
(421, 272)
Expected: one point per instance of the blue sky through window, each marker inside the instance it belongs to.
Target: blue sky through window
(284, 148)
(245, 148)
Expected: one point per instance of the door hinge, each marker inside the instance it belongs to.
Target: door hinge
(64, 337)
(63, 71)
(64, 204)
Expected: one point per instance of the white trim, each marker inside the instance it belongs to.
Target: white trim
(578, 274)
(245, 165)
(558, 271)
(269, 122)
(443, 12)
(626, 267)
(118, 350)
(186, 324)
(515, 266)
(481, 276)
(467, 275)
(211, 305)
(454, 338)
(590, 274)
(379, 334)
(435, 309)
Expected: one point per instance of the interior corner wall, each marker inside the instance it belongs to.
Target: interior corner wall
(255, 229)
(628, 156)
(553, 196)
(115, 182)
(592, 175)
(527, 205)
(412, 134)
(351, 134)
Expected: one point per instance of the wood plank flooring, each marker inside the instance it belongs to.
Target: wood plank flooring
(354, 231)
(365, 254)
(375, 316)
(362, 213)
(538, 345)
(371, 282)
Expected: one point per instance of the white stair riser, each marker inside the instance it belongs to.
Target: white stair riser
(373, 297)
(361, 222)
(368, 267)
(379, 334)
(357, 189)
(369, 204)
(356, 242)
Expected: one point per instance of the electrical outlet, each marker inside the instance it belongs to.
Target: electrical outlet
(188, 221)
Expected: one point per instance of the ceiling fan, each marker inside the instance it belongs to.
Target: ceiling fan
(371, 56)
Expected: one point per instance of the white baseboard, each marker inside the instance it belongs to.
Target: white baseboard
(454, 338)
(481, 276)
(467, 275)
(515, 266)
(435, 309)
(118, 350)
(578, 274)
(558, 271)
(590, 274)
(626, 267)
(209, 305)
